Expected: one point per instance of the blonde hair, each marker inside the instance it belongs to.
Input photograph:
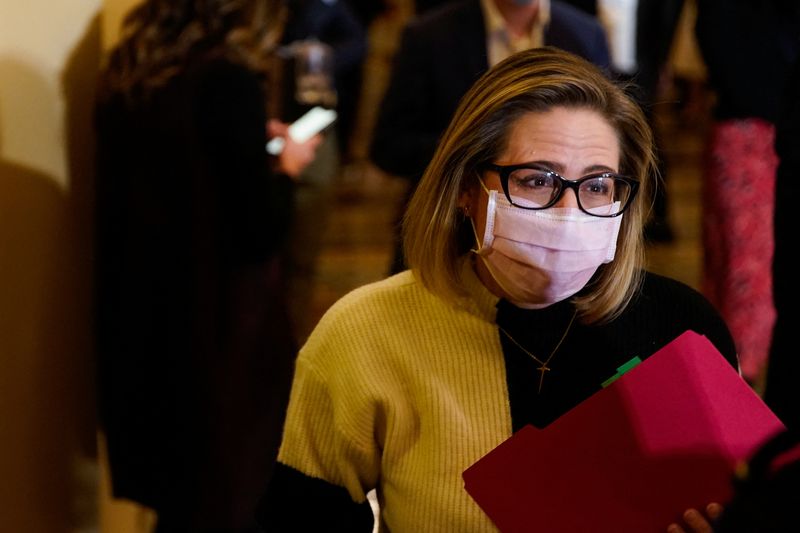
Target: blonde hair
(436, 234)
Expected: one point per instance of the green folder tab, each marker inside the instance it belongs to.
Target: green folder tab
(621, 370)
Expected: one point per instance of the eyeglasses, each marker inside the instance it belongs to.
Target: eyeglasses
(530, 186)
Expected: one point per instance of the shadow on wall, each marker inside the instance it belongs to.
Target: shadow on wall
(78, 82)
(46, 382)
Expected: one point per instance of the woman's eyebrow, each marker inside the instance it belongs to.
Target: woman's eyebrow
(559, 168)
(597, 168)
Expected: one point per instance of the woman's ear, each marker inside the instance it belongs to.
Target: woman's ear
(466, 203)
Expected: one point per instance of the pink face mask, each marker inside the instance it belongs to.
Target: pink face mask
(542, 257)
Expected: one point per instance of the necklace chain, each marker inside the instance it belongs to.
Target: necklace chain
(542, 368)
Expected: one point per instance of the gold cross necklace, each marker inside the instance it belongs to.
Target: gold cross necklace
(542, 364)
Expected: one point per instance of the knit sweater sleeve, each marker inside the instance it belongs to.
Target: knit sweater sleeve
(329, 458)
(388, 376)
(334, 415)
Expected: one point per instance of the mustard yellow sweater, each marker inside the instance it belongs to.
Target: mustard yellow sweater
(401, 391)
(373, 405)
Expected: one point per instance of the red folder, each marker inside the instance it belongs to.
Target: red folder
(631, 458)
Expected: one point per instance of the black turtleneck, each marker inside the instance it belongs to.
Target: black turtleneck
(590, 354)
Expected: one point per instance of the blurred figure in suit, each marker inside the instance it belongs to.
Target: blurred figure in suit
(444, 51)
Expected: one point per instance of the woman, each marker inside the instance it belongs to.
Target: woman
(521, 299)
(194, 351)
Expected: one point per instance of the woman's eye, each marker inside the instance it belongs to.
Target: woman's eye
(598, 186)
(533, 179)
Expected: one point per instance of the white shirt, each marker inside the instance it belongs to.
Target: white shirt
(619, 19)
(500, 43)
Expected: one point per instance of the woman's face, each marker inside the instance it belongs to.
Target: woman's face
(571, 142)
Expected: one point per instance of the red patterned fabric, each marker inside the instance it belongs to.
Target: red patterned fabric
(738, 207)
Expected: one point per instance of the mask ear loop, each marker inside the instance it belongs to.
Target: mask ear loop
(479, 250)
(485, 246)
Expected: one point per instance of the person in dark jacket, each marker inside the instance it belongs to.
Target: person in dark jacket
(194, 349)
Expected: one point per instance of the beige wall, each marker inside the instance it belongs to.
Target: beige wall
(49, 54)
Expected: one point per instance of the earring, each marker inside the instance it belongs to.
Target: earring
(465, 209)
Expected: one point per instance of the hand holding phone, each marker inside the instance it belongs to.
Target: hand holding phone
(312, 122)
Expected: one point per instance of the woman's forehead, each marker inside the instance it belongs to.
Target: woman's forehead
(563, 138)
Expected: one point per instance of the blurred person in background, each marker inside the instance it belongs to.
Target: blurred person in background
(783, 365)
(195, 351)
(443, 52)
(748, 47)
(323, 49)
(333, 23)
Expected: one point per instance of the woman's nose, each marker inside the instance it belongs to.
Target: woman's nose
(568, 199)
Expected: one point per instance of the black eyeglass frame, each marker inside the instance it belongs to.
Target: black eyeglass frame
(504, 171)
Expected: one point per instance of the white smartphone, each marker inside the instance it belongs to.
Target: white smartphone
(312, 122)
